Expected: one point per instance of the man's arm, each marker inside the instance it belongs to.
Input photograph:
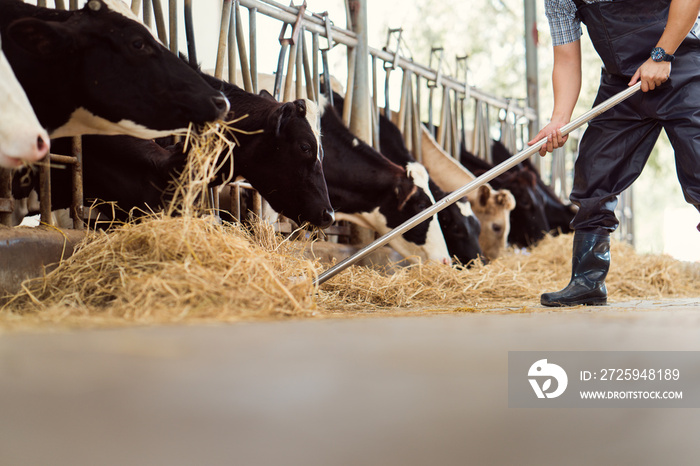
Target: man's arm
(681, 18)
(566, 81)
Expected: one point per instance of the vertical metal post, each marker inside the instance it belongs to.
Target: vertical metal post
(45, 192)
(147, 13)
(223, 34)
(232, 47)
(360, 121)
(189, 33)
(316, 72)
(76, 211)
(6, 193)
(160, 21)
(531, 69)
(135, 5)
(172, 17)
(242, 52)
(253, 33)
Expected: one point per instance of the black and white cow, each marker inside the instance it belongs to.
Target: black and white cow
(368, 189)
(282, 161)
(21, 135)
(96, 71)
(459, 226)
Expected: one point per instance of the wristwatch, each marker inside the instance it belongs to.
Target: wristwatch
(659, 54)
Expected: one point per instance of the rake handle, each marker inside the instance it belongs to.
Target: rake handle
(472, 185)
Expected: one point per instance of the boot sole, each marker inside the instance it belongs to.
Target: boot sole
(583, 302)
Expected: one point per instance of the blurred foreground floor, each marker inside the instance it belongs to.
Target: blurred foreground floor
(385, 391)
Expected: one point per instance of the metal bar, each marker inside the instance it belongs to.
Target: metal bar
(223, 34)
(277, 90)
(299, 80)
(253, 35)
(6, 194)
(308, 75)
(485, 178)
(63, 159)
(135, 6)
(60, 4)
(172, 17)
(375, 106)
(312, 23)
(189, 33)
(76, 208)
(147, 13)
(45, 193)
(242, 52)
(350, 101)
(232, 47)
(316, 71)
(289, 78)
(160, 21)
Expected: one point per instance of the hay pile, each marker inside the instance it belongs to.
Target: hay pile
(170, 269)
(514, 281)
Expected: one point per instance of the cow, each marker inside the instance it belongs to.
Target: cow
(559, 215)
(459, 226)
(528, 222)
(368, 189)
(279, 153)
(95, 71)
(492, 207)
(21, 136)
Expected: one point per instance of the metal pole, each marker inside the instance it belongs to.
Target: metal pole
(172, 17)
(189, 33)
(461, 192)
(223, 35)
(531, 66)
(361, 117)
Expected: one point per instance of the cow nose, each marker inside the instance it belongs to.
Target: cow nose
(327, 219)
(222, 105)
(42, 147)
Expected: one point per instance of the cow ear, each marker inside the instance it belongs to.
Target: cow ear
(264, 93)
(281, 117)
(505, 199)
(483, 195)
(300, 105)
(39, 37)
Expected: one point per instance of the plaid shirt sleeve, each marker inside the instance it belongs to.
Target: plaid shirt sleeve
(564, 25)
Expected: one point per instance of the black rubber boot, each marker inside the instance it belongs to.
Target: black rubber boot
(590, 265)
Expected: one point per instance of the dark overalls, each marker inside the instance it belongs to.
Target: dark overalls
(617, 144)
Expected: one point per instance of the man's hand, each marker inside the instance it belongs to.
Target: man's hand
(554, 137)
(652, 74)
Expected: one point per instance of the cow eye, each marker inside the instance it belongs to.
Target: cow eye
(305, 147)
(138, 44)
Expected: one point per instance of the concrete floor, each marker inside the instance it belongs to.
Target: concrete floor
(385, 391)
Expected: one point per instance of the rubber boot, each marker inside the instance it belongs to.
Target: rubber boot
(590, 265)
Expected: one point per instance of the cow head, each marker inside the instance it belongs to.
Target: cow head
(528, 219)
(492, 208)
(279, 153)
(21, 135)
(109, 76)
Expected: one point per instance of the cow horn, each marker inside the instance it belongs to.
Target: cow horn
(94, 5)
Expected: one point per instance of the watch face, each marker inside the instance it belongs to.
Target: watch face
(658, 54)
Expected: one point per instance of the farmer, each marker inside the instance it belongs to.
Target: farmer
(652, 41)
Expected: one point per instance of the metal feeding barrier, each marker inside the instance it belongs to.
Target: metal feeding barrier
(485, 178)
